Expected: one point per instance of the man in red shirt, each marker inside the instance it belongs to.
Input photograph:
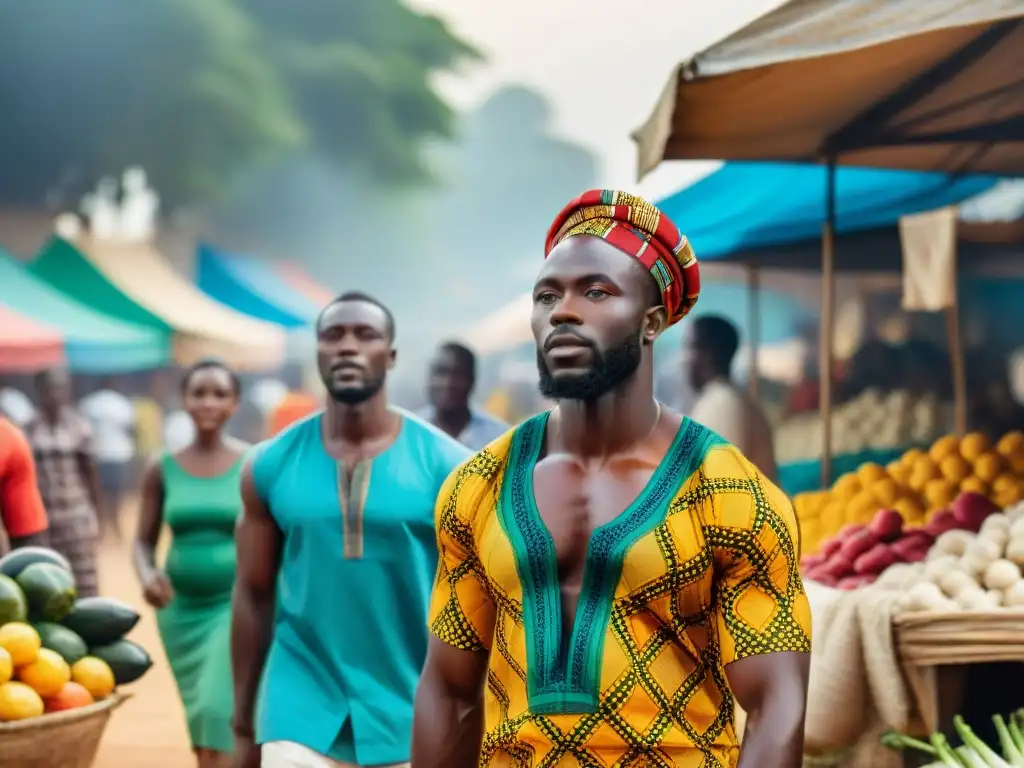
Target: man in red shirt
(21, 506)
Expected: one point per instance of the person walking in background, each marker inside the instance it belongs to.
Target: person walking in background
(195, 492)
(21, 506)
(15, 404)
(62, 444)
(449, 388)
(293, 407)
(709, 346)
(336, 556)
(112, 417)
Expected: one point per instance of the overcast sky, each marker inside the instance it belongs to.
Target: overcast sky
(602, 63)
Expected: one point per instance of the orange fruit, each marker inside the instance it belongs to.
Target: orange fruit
(869, 473)
(909, 458)
(1017, 462)
(923, 471)
(948, 445)
(1009, 496)
(6, 666)
(832, 518)
(973, 446)
(885, 492)
(19, 702)
(1010, 443)
(975, 485)
(94, 675)
(71, 696)
(847, 486)
(939, 493)
(954, 468)
(988, 467)
(47, 674)
(910, 509)
(21, 641)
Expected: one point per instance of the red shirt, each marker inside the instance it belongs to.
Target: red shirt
(21, 506)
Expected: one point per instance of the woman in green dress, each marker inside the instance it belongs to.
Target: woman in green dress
(196, 493)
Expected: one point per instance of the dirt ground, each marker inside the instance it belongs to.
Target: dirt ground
(148, 731)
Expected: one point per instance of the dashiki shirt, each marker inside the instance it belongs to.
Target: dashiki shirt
(701, 570)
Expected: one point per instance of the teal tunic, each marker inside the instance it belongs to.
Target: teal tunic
(350, 632)
(196, 626)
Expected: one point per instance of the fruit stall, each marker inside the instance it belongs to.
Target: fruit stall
(914, 571)
(63, 662)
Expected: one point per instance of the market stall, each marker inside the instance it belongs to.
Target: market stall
(253, 287)
(93, 342)
(27, 345)
(883, 84)
(132, 282)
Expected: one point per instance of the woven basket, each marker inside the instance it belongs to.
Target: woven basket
(967, 637)
(68, 739)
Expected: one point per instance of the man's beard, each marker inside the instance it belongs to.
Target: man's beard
(356, 395)
(610, 369)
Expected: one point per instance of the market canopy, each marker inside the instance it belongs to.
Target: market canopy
(746, 206)
(132, 282)
(26, 345)
(300, 281)
(93, 342)
(253, 287)
(935, 85)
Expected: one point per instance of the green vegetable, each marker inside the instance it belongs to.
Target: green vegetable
(988, 757)
(1011, 751)
(127, 660)
(101, 620)
(12, 601)
(62, 640)
(49, 590)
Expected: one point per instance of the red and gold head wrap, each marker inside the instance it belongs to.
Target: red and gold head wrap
(640, 230)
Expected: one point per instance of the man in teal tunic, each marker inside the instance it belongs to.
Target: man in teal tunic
(336, 558)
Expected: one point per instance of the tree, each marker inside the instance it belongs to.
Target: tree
(196, 90)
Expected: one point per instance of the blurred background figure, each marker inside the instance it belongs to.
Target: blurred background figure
(709, 347)
(15, 404)
(450, 384)
(195, 491)
(21, 508)
(112, 418)
(62, 445)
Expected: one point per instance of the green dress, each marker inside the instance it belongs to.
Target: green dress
(196, 626)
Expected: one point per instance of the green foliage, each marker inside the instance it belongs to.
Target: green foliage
(198, 90)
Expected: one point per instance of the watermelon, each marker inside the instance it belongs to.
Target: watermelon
(62, 640)
(49, 591)
(101, 620)
(12, 601)
(127, 660)
(13, 563)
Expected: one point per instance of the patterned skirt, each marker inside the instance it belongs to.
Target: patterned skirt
(75, 534)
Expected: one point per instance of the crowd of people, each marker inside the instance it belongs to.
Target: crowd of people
(368, 586)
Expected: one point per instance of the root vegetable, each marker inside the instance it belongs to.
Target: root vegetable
(807, 562)
(1014, 596)
(830, 547)
(856, 545)
(875, 560)
(926, 597)
(971, 510)
(974, 599)
(1001, 574)
(941, 522)
(995, 522)
(913, 548)
(887, 525)
(1015, 550)
(939, 566)
(952, 543)
(855, 582)
(978, 556)
(953, 582)
(995, 597)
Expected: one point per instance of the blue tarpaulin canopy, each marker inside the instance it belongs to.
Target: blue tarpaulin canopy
(745, 206)
(253, 287)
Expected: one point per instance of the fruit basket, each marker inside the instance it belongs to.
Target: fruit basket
(67, 739)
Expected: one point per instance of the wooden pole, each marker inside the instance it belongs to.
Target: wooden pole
(754, 326)
(826, 340)
(956, 358)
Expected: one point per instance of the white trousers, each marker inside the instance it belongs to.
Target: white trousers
(288, 754)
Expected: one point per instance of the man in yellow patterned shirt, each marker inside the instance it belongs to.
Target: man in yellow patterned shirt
(612, 574)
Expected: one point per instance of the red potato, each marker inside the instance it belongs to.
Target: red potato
(830, 547)
(849, 530)
(875, 560)
(887, 525)
(971, 509)
(856, 545)
(812, 561)
(856, 582)
(912, 549)
(825, 579)
(942, 521)
(837, 567)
